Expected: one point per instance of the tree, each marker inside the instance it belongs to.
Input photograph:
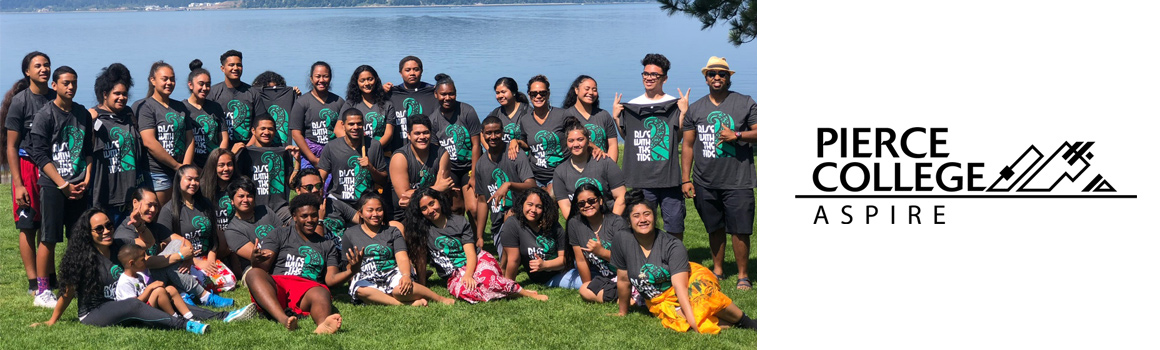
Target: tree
(741, 15)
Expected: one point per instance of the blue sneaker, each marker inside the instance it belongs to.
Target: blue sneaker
(217, 301)
(196, 327)
(242, 314)
(188, 300)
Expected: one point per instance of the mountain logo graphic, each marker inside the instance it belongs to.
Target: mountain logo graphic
(1034, 172)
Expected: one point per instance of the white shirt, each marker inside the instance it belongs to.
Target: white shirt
(643, 99)
(129, 286)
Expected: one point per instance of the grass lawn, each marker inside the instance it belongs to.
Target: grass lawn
(565, 321)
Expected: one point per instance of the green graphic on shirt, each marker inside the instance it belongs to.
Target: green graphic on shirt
(588, 180)
(127, 145)
(412, 107)
(201, 229)
(511, 132)
(281, 122)
(453, 249)
(553, 152)
(462, 141)
(277, 171)
(225, 206)
(719, 119)
(384, 257)
(597, 136)
(116, 270)
(549, 247)
(178, 132)
(330, 117)
(240, 115)
(263, 230)
(362, 177)
(498, 177)
(209, 128)
(373, 123)
(75, 138)
(659, 144)
(607, 265)
(333, 229)
(656, 276)
(312, 266)
(426, 178)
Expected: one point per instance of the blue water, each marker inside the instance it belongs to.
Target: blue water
(475, 45)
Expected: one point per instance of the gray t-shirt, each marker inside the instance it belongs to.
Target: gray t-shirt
(207, 128)
(240, 231)
(580, 232)
(545, 142)
(170, 123)
(378, 252)
(454, 131)
(445, 245)
(409, 102)
(126, 233)
(546, 245)
(603, 173)
(19, 119)
(238, 105)
(295, 256)
(63, 139)
(489, 175)
(196, 224)
(650, 275)
(422, 174)
(511, 126)
(729, 165)
(651, 157)
(316, 119)
(375, 118)
(349, 180)
(600, 125)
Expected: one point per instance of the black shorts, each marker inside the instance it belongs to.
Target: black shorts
(732, 210)
(601, 283)
(459, 178)
(58, 213)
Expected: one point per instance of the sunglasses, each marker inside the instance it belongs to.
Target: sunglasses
(311, 187)
(102, 228)
(651, 75)
(585, 203)
(538, 93)
(717, 73)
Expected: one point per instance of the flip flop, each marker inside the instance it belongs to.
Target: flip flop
(744, 284)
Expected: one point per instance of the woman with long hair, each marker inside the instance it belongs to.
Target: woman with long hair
(192, 216)
(208, 117)
(215, 178)
(533, 238)
(313, 118)
(583, 102)
(386, 274)
(166, 129)
(472, 275)
(90, 271)
(591, 230)
(21, 102)
(583, 167)
(513, 107)
(365, 92)
(120, 159)
(657, 264)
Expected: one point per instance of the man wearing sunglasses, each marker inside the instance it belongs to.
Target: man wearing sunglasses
(270, 165)
(721, 134)
(649, 125)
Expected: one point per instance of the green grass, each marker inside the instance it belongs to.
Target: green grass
(564, 321)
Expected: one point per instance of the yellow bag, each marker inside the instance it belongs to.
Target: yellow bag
(705, 297)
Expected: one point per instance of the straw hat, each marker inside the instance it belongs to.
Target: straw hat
(717, 63)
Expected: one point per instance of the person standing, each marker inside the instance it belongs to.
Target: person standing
(313, 118)
(120, 162)
(583, 102)
(513, 106)
(166, 130)
(721, 136)
(649, 124)
(209, 129)
(543, 134)
(456, 127)
(235, 96)
(412, 97)
(365, 92)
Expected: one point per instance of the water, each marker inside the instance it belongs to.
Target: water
(475, 45)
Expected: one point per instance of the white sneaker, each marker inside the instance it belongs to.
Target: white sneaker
(45, 299)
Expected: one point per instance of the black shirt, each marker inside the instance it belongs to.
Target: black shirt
(409, 102)
(118, 156)
(24, 105)
(276, 102)
(270, 168)
(62, 138)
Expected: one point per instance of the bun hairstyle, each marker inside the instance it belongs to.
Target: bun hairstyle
(195, 69)
(444, 79)
(511, 85)
(110, 76)
(573, 123)
(632, 199)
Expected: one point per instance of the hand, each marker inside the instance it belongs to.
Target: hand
(687, 188)
(237, 147)
(364, 161)
(184, 268)
(726, 135)
(617, 107)
(83, 185)
(534, 265)
(405, 285)
(683, 102)
(21, 195)
(592, 246)
(206, 266)
(513, 149)
(597, 153)
(297, 92)
(354, 257)
(295, 152)
(155, 285)
(261, 255)
(499, 195)
(405, 198)
(185, 250)
(387, 86)
(442, 182)
(45, 323)
(469, 283)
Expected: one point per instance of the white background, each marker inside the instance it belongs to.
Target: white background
(1001, 75)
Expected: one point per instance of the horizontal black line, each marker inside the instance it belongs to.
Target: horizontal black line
(953, 196)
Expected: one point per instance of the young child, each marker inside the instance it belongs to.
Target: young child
(133, 283)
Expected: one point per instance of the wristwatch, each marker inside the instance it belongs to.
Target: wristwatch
(738, 134)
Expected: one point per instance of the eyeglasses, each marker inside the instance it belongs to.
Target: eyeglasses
(538, 93)
(311, 187)
(651, 75)
(585, 203)
(102, 228)
(717, 73)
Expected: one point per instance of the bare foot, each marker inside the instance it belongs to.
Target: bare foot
(447, 301)
(419, 302)
(291, 323)
(330, 325)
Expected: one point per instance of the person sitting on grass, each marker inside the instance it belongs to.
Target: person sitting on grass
(251, 221)
(192, 216)
(675, 290)
(133, 283)
(471, 275)
(290, 266)
(533, 237)
(89, 274)
(385, 277)
(591, 231)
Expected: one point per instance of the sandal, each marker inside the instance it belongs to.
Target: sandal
(719, 277)
(744, 284)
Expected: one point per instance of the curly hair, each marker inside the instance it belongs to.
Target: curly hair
(354, 93)
(263, 80)
(417, 226)
(549, 216)
(572, 98)
(110, 76)
(80, 266)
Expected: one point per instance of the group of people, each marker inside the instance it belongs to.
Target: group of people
(300, 193)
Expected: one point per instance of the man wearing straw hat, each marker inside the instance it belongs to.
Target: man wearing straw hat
(720, 132)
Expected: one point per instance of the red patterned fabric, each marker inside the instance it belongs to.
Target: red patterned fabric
(490, 283)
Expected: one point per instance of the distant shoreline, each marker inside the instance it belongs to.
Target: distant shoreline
(183, 9)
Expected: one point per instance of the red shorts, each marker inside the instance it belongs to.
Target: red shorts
(290, 291)
(28, 217)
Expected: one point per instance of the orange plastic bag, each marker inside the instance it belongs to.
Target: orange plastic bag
(705, 296)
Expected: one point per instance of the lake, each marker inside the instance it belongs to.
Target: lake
(475, 45)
